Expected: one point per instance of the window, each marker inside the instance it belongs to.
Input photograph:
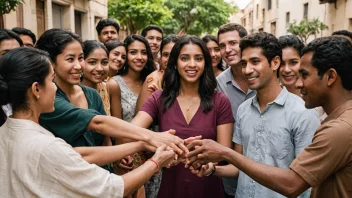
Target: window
(40, 17)
(19, 15)
(350, 25)
(257, 11)
(261, 30)
(273, 28)
(244, 22)
(305, 11)
(263, 15)
(287, 19)
(269, 4)
(78, 23)
(57, 16)
(250, 20)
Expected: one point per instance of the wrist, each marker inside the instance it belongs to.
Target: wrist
(212, 171)
(156, 164)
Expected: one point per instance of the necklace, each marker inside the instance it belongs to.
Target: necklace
(193, 102)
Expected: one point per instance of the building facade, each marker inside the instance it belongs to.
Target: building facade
(274, 16)
(79, 16)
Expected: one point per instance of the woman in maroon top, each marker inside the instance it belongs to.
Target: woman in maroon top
(190, 105)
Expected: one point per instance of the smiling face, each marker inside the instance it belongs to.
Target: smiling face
(190, 63)
(288, 72)
(96, 66)
(215, 54)
(229, 47)
(256, 68)
(137, 56)
(165, 54)
(68, 64)
(154, 39)
(117, 58)
(311, 85)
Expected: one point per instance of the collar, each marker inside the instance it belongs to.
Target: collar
(338, 111)
(280, 99)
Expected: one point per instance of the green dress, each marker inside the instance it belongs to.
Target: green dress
(70, 122)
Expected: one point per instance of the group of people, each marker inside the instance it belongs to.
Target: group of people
(241, 115)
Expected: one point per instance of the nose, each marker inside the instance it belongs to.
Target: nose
(286, 68)
(299, 83)
(78, 65)
(227, 48)
(247, 70)
(99, 67)
(192, 62)
(139, 56)
(212, 53)
(109, 35)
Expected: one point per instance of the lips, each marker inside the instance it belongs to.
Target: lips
(251, 79)
(191, 73)
(139, 64)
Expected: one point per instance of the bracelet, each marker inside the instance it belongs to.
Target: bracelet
(212, 171)
(156, 163)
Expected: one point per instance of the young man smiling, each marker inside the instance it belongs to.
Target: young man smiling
(326, 163)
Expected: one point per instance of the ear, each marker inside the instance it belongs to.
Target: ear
(275, 63)
(35, 89)
(331, 76)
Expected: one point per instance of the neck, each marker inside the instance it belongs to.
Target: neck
(112, 73)
(293, 89)
(133, 76)
(155, 56)
(27, 115)
(334, 102)
(268, 93)
(237, 72)
(68, 89)
(189, 89)
(89, 84)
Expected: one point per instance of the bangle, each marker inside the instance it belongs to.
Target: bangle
(156, 163)
(212, 171)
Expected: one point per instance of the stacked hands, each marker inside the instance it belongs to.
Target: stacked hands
(199, 156)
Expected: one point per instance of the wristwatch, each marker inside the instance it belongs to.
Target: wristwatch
(212, 171)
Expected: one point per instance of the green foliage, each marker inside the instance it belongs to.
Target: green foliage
(306, 28)
(6, 6)
(136, 14)
(196, 17)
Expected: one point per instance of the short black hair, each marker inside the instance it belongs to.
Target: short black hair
(292, 42)
(6, 34)
(152, 27)
(332, 52)
(24, 31)
(343, 33)
(228, 27)
(268, 42)
(107, 22)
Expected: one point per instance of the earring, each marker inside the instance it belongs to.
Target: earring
(38, 97)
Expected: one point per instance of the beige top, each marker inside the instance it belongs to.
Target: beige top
(326, 164)
(36, 164)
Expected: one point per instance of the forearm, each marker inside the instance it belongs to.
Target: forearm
(136, 178)
(118, 128)
(103, 155)
(228, 171)
(278, 179)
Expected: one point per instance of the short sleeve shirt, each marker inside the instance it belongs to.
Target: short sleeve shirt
(273, 137)
(326, 164)
(70, 122)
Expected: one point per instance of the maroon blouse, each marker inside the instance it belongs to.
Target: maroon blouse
(179, 181)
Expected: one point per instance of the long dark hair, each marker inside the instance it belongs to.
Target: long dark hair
(19, 69)
(171, 79)
(149, 66)
(208, 38)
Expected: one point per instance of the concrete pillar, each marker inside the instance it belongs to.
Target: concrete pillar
(49, 14)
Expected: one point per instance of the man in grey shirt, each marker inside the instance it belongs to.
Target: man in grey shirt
(232, 81)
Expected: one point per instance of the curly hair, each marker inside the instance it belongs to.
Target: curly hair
(107, 22)
(171, 80)
(228, 27)
(267, 42)
(149, 66)
(342, 33)
(332, 52)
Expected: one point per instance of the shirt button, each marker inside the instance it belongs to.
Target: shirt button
(261, 116)
(253, 181)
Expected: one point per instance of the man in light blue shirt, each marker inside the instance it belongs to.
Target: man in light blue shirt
(231, 81)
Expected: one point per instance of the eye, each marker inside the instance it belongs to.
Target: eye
(199, 58)
(255, 62)
(123, 57)
(166, 55)
(133, 52)
(184, 58)
(159, 39)
(217, 49)
(233, 42)
(144, 52)
(105, 62)
(81, 58)
(92, 62)
(222, 46)
(70, 59)
(244, 64)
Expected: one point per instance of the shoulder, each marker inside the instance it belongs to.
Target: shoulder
(157, 94)
(220, 96)
(113, 85)
(225, 76)
(90, 92)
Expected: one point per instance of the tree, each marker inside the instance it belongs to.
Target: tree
(196, 17)
(136, 14)
(6, 6)
(306, 28)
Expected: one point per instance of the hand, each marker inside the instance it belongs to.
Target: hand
(126, 163)
(191, 139)
(164, 157)
(148, 147)
(168, 138)
(205, 170)
(203, 152)
(153, 87)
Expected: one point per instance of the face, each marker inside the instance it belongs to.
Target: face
(108, 34)
(165, 55)
(288, 71)
(137, 56)
(154, 39)
(96, 66)
(7, 45)
(256, 68)
(311, 85)
(47, 93)
(117, 58)
(27, 40)
(214, 52)
(230, 48)
(190, 63)
(68, 65)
